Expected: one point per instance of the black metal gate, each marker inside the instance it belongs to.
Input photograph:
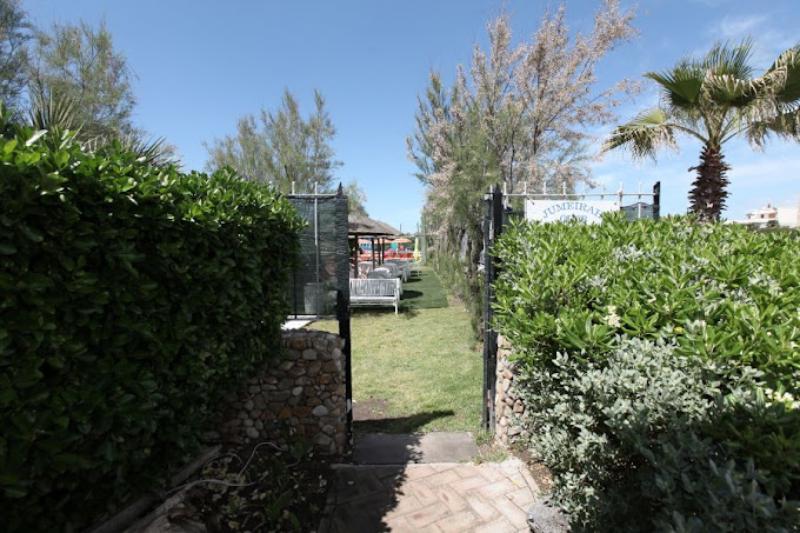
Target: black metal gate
(498, 211)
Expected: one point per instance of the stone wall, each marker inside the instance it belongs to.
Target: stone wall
(303, 391)
(509, 407)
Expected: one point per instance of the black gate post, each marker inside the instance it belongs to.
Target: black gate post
(657, 200)
(343, 316)
(492, 228)
(487, 284)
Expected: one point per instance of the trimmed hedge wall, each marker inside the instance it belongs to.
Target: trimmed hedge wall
(721, 292)
(659, 366)
(132, 298)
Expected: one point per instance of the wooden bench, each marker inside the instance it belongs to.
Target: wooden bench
(364, 292)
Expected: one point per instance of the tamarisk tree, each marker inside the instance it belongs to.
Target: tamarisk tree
(78, 65)
(281, 147)
(15, 32)
(518, 116)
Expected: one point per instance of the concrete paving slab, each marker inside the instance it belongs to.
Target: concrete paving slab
(398, 449)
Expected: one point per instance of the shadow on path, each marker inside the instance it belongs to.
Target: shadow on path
(427, 482)
(368, 493)
(363, 496)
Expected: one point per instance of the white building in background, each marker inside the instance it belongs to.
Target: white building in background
(773, 216)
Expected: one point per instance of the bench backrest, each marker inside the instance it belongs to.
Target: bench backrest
(374, 287)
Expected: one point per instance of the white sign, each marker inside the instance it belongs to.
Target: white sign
(588, 211)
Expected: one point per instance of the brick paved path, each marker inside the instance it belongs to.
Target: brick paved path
(433, 497)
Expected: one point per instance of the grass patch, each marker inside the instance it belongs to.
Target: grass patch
(424, 292)
(419, 371)
(488, 450)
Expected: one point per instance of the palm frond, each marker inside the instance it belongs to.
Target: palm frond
(729, 91)
(49, 112)
(155, 151)
(725, 59)
(788, 64)
(682, 85)
(643, 135)
(785, 125)
(58, 113)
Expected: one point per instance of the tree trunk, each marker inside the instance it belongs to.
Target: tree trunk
(708, 193)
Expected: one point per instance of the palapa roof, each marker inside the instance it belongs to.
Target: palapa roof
(359, 225)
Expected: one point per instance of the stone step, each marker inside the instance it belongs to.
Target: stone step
(399, 449)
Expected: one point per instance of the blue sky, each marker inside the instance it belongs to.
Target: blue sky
(201, 64)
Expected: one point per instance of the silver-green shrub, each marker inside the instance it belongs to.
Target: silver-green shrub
(629, 440)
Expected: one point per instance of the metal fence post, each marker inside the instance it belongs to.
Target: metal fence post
(487, 260)
(343, 316)
(657, 200)
(493, 227)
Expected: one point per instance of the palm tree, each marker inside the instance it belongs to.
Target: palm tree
(715, 99)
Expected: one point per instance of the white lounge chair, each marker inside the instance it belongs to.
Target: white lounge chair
(402, 266)
(380, 273)
(385, 273)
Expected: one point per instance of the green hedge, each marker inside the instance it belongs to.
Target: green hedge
(659, 365)
(721, 292)
(132, 298)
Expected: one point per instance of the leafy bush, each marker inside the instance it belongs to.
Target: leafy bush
(468, 289)
(719, 291)
(629, 443)
(131, 299)
(692, 427)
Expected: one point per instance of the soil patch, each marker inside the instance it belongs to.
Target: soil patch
(541, 474)
(370, 409)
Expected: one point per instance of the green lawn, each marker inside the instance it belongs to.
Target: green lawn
(419, 371)
(425, 292)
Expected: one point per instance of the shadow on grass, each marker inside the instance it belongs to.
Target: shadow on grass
(410, 294)
(402, 424)
(405, 312)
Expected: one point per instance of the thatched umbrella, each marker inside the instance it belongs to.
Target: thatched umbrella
(360, 226)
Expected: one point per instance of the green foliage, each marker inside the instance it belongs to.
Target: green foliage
(716, 98)
(281, 147)
(132, 298)
(692, 425)
(71, 78)
(497, 125)
(629, 443)
(14, 35)
(356, 198)
(718, 291)
(467, 287)
(79, 63)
